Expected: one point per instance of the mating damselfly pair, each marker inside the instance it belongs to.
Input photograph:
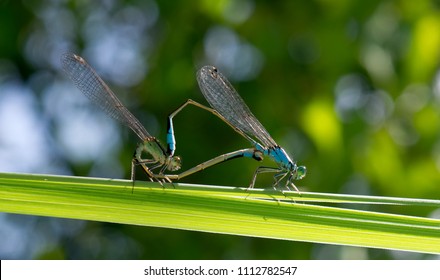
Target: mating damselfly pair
(225, 103)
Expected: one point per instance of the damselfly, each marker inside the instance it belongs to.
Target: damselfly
(93, 87)
(230, 107)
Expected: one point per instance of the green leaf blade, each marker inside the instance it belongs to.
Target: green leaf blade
(223, 210)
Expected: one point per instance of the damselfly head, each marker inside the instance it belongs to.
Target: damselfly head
(300, 172)
(175, 163)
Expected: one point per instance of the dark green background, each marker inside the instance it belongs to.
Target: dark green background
(349, 88)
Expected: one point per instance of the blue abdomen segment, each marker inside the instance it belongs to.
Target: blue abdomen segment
(171, 140)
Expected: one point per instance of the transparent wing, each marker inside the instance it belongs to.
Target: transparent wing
(225, 100)
(92, 86)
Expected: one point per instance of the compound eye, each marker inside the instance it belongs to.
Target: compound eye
(175, 164)
(301, 172)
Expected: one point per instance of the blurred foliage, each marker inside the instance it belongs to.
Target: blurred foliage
(350, 88)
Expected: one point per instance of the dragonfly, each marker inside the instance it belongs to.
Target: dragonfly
(94, 88)
(227, 105)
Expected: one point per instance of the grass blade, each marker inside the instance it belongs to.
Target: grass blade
(225, 210)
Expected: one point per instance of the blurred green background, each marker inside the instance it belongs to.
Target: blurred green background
(350, 88)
